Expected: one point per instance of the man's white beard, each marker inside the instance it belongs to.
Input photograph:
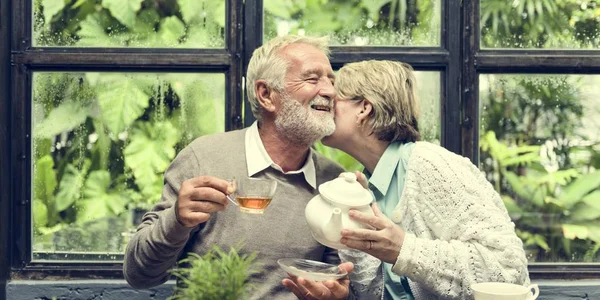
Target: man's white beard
(303, 125)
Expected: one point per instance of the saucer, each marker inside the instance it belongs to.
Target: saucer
(311, 270)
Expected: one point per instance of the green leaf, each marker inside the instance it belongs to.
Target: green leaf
(70, 186)
(592, 199)
(192, 10)
(171, 30)
(517, 185)
(51, 7)
(584, 212)
(99, 201)
(374, 7)
(92, 32)
(219, 14)
(121, 103)
(40, 213)
(64, 118)
(44, 180)
(150, 151)
(580, 187)
(540, 240)
(124, 11)
(279, 8)
(572, 231)
(511, 206)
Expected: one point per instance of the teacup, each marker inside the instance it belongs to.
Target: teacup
(253, 195)
(504, 291)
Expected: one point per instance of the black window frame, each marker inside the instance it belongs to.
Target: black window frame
(459, 59)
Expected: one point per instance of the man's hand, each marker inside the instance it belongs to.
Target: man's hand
(384, 242)
(324, 290)
(199, 197)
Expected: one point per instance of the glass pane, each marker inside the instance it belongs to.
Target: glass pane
(429, 91)
(573, 24)
(129, 23)
(101, 144)
(357, 22)
(540, 148)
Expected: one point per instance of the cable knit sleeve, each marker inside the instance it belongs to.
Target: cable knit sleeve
(461, 233)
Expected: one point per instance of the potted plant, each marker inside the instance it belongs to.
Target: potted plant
(216, 275)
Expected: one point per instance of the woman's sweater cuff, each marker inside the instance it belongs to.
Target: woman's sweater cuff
(404, 261)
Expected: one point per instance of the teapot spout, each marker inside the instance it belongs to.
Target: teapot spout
(332, 229)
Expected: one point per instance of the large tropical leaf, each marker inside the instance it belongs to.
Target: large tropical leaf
(580, 187)
(51, 7)
(99, 201)
(171, 29)
(150, 151)
(121, 103)
(572, 231)
(518, 185)
(584, 212)
(195, 11)
(70, 188)
(92, 32)
(64, 118)
(40, 213)
(124, 10)
(44, 180)
(279, 8)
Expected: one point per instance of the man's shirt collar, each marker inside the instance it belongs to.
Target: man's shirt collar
(258, 159)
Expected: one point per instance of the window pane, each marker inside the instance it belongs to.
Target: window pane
(129, 23)
(540, 147)
(571, 24)
(429, 91)
(357, 22)
(101, 144)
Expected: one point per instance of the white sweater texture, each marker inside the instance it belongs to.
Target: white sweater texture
(458, 232)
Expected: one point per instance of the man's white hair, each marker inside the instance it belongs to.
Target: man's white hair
(268, 64)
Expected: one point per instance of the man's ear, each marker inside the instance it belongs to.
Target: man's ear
(264, 94)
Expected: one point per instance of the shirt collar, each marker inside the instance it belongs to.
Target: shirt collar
(385, 169)
(258, 159)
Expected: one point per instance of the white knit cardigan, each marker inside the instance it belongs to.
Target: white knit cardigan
(458, 232)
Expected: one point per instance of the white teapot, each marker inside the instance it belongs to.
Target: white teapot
(327, 213)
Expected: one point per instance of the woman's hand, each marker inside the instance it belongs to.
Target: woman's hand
(384, 242)
(320, 290)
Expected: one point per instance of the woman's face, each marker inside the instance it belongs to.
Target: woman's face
(346, 112)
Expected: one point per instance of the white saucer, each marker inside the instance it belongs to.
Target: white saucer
(311, 270)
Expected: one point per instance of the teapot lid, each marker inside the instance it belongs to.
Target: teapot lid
(346, 190)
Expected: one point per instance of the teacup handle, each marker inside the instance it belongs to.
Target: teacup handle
(536, 291)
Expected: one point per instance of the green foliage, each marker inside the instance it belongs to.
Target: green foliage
(557, 213)
(382, 22)
(348, 162)
(540, 23)
(216, 275)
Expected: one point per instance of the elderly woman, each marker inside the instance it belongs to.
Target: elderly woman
(439, 226)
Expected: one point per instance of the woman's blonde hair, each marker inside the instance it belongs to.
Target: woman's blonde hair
(390, 86)
(268, 64)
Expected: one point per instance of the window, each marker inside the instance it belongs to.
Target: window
(94, 88)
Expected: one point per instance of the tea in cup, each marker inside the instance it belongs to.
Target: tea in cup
(253, 195)
(504, 291)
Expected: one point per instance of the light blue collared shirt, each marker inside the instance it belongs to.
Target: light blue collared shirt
(387, 183)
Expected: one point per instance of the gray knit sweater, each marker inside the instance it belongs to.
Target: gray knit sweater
(160, 241)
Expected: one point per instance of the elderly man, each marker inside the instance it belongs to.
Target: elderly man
(290, 89)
